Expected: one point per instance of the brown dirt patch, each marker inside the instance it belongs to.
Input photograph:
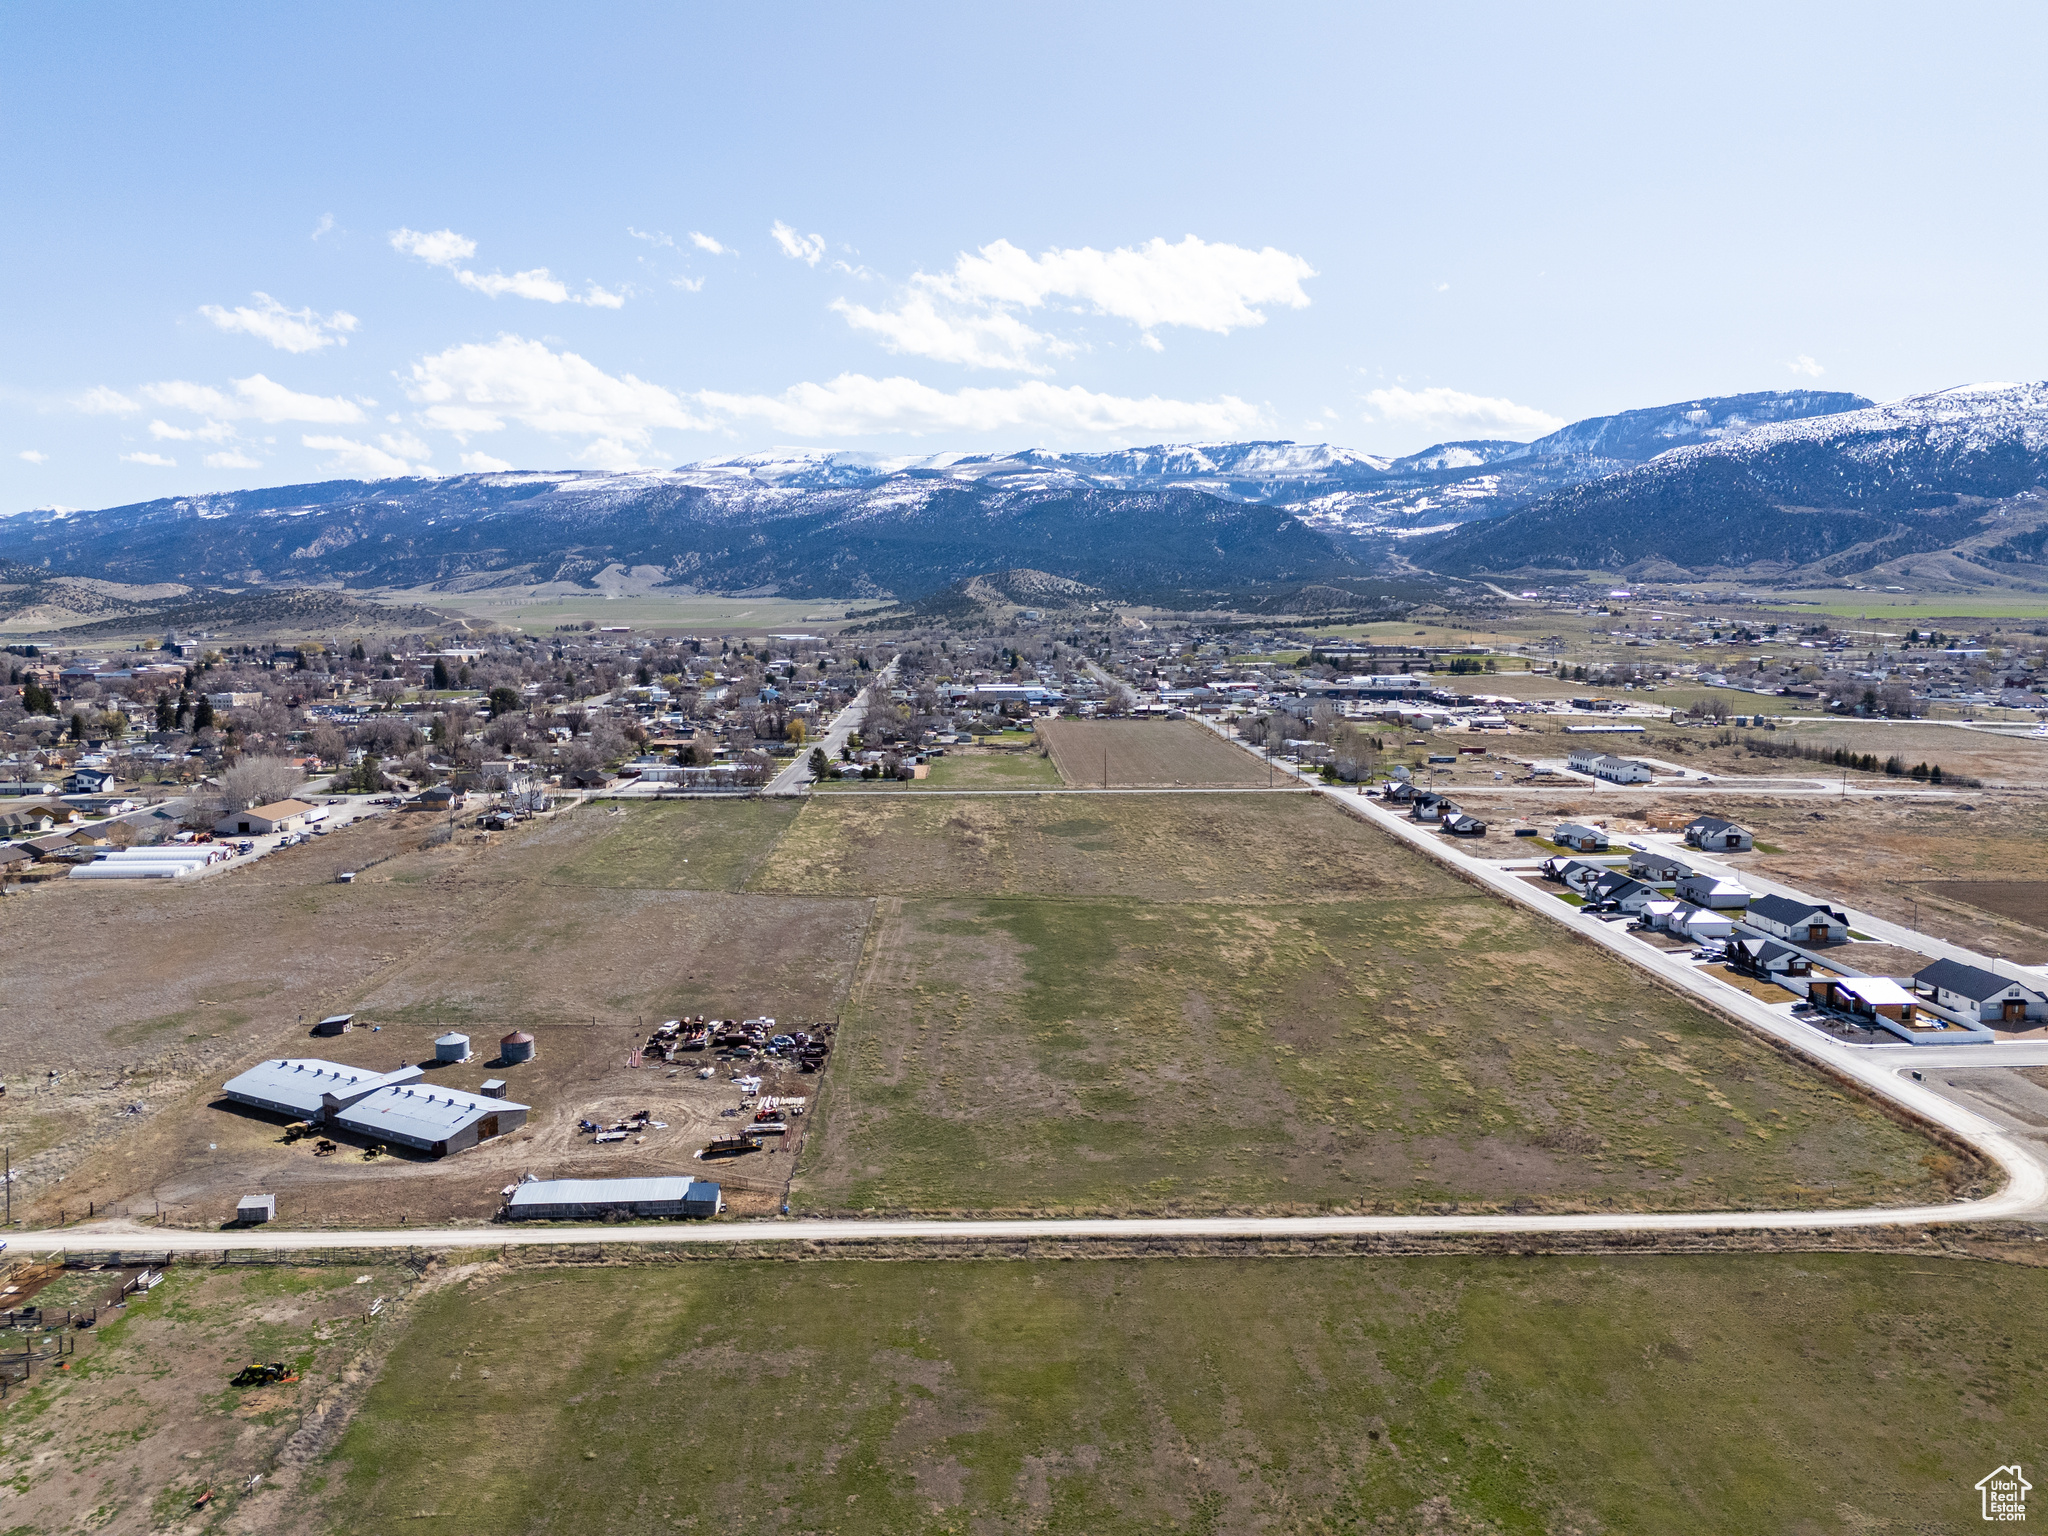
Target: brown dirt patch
(1127, 754)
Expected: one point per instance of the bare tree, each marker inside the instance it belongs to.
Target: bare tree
(258, 781)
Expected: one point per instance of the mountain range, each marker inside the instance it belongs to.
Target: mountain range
(1800, 484)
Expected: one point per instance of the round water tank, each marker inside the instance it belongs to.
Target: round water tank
(451, 1048)
(517, 1046)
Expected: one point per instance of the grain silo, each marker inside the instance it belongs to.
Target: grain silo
(517, 1046)
(451, 1048)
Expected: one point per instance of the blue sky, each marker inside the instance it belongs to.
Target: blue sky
(259, 245)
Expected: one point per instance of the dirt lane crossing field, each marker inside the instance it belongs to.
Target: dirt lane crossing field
(1126, 754)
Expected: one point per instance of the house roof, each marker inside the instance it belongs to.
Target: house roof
(1971, 981)
(1878, 991)
(1783, 909)
(1711, 824)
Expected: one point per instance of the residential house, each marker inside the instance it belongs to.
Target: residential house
(1576, 835)
(1982, 995)
(1657, 868)
(1767, 959)
(1869, 998)
(88, 781)
(1627, 895)
(1712, 891)
(25, 823)
(1687, 921)
(1575, 873)
(1714, 835)
(1457, 823)
(1431, 806)
(1798, 921)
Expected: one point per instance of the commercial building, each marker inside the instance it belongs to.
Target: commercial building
(595, 1199)
(280, 816)
(1616, 770)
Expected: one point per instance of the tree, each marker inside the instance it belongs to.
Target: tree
(796, 732)
(202, 715)
(166, 713)
(505, 701)
(38, 700)
(442, 682)
(821, 765)
(258, 781)
(78, 727)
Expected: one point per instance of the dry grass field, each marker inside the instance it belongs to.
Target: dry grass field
(1734, 1394)
(1405, 1041)
(1998, 760)
(967, 768)
(1126, 754)
(1156, 847)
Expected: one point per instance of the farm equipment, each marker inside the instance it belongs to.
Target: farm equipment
(298, 1130)
(732, 1146)
(276, 1373)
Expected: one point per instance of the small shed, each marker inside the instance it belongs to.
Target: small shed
(451, 1048)
(256, 1208)
(335, 1024)
(493, 1088)
(517, 1046)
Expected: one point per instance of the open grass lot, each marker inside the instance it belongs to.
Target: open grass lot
(2019, 761)
(1917, 608)
(1120, 1057)
(1122, 754)
(675, 845)
(539, 612)
(1732, 1393)
(146, 1420)
(967, 768)
(1165, 847)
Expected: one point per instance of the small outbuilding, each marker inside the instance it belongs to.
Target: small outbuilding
(516, 1047)
(335, 1024)
(493, 1088)
(256, 1208)
(451, 1048)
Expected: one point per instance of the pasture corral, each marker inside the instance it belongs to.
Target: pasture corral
(1147, 754)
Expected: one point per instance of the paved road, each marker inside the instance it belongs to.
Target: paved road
(797, 776)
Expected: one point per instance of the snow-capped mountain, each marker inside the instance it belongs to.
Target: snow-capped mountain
(1952, 484)
(1193, 517)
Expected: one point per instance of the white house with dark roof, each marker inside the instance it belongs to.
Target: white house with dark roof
(1978, 994)
(1718, 836)
(1797, 921)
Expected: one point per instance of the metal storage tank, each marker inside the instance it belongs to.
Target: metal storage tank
(451, 1047)
(517, 1046)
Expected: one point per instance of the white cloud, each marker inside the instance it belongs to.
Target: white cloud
(990, 339)
(967, 315)
(483, 464)
(1205, 287)
(442, 248)
(808, 249)
(233, 458)
(364, 461)
(854, 405)
(478, 387)
(1806, 365)
(326, 223)
(210, 432)
(704, 242)
(1453, 413)
(445, 248)
(102, 401)
(33, 456)
(255, 398)
(656, 239)
(154, 460)
(687, 284)
(289, 330)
